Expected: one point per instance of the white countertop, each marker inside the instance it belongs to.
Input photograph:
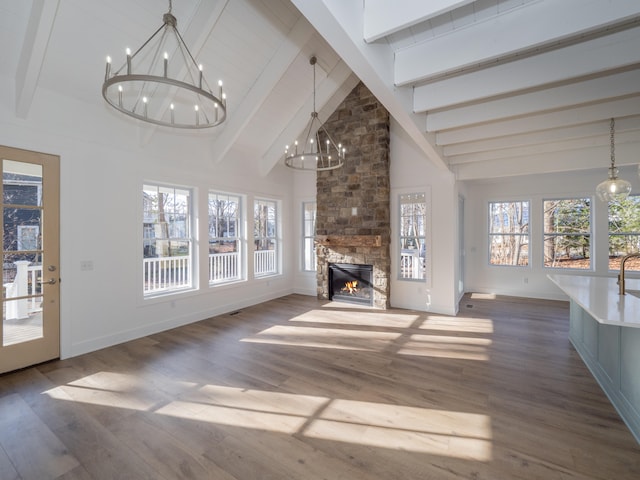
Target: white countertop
(600, 298)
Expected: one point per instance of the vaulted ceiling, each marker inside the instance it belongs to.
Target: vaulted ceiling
(486, 88)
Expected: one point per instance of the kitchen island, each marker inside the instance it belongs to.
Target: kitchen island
(604, 327)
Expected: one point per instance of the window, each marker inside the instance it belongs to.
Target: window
(224, 238)
(265, 236)
(624, 232)
(308, 236)
(567, 233)
(167, 242)
(413, 217)
(509, 233)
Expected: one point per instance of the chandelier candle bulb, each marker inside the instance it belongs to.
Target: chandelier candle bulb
(166, 63)
(144, 101)
(171, 107)
(200, 79)
(120, 95)
(128, 51)
(108, 71)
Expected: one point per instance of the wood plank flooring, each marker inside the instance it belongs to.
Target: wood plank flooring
(296, 388)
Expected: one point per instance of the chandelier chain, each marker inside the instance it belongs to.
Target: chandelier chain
(611, 134)
(314, 84)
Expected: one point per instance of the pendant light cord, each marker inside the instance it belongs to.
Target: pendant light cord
(613, 155)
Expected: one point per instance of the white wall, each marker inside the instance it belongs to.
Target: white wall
(412, 172)
(105, 158)
(532, 281)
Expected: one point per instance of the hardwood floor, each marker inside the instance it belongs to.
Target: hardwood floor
(296, 388)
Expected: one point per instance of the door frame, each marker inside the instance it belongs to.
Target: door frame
(21, 355)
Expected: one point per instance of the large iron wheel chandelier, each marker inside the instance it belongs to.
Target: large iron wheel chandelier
(161, 83)
(614, 188)
(318, 151)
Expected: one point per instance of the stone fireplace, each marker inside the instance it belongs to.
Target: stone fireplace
(353, 217)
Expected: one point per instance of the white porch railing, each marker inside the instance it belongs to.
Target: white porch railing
(223, 267)
(411, 264)
(166, 273)
(24, 288)
(264, 262)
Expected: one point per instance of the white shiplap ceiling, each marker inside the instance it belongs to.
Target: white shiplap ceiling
(486, 88)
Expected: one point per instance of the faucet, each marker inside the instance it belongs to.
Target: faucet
(621, 274)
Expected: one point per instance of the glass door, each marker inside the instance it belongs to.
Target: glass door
(30, 194)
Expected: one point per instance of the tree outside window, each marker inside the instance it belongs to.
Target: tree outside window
(567, 233)
(624, 232)
(509, 233)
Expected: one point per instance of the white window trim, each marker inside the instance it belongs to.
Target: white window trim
(241, 237)
(489, 235)
(395, 235)
(277, 237)
(305, 237)
(591, 235)
(193, 288)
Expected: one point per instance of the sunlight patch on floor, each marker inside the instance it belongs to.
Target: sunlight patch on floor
(112, 389)
(462, 348)
(441, 432)
(457, 324)
(440, 346)
(340, 339)
(396, 427)
(364, 319)
(483, 296)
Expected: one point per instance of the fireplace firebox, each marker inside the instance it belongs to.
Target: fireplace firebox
(351, 283)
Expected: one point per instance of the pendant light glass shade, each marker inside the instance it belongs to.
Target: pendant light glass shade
(614, 188)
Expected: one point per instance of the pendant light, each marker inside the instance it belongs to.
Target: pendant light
(614, 188)
(318, 151)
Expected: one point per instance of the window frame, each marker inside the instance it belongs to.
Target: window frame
(613, 264)
(491, 234)
(189, 238)
(308, 240)
(239, 238)
(588, 234)
(274, 239)
(420, 237)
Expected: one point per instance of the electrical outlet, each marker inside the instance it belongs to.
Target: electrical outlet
(86, 265)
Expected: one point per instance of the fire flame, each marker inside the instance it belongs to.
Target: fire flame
(351, 287)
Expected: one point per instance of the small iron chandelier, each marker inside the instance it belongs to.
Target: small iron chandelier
(318, 152)
(161, 83)
(614, 188)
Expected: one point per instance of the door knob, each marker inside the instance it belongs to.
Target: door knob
(51, 281)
